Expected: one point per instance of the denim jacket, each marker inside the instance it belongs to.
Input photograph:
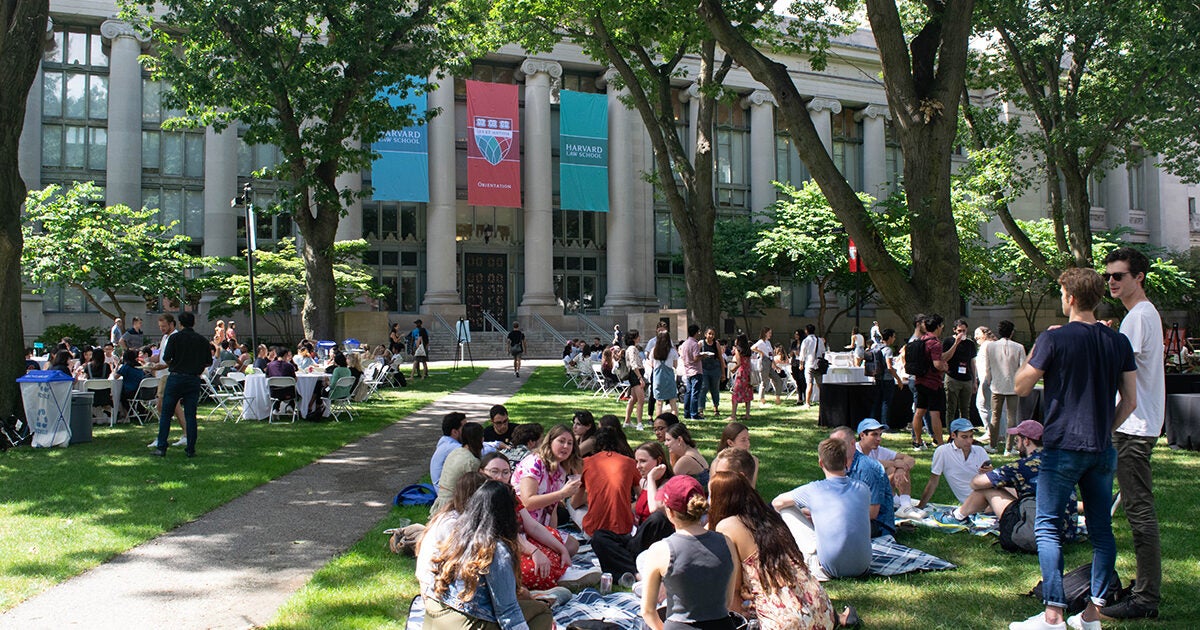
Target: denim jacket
(495, 598)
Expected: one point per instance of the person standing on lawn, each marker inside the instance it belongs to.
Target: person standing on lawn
(693, 374)
(187, 356)
(1085, 364)
(1125, 272)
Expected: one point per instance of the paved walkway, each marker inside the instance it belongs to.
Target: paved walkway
(236, 565)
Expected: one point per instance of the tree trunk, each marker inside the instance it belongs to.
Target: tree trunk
(696, 224)
(22, 40)
(320, 300)
(1077, 210)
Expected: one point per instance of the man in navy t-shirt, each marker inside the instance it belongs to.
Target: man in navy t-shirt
(1084, 365)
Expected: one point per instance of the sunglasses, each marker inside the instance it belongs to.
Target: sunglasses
(1118, 275)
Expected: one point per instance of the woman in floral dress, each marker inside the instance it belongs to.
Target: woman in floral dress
(775, 583)
(741, 391)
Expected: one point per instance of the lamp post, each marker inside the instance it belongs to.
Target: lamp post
(246, 200)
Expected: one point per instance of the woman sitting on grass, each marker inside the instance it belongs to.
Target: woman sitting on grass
(773, 578)
(439, 525)
(459, 462)
(613, 423)
(694, 566)
(544, 555)
(549, 476)
(476, 567)
(583, 426)
(685, 457)
(737, 435)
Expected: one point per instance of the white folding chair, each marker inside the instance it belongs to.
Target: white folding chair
(340, 403)
(277, 405)
(229, 399)
(372, 378)
(603, 388)
(104, 385)
(143, 405)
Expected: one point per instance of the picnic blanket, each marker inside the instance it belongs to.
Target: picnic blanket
(623, 609)
(986, 524)
(889, 557)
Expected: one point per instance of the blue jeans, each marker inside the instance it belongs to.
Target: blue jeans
(185, 389)
(693, 397)
(710, 384)
(1061, 470)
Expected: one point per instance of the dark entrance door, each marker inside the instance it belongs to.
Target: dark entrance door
(485, 288)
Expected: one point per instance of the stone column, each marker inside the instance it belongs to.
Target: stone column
(620, 221)
(124, 114)
(220, 187)
(691, 97)
(538, 183)
(441, 283)
(819, 109)
(762, 151)
(350, 225)
(874, 119)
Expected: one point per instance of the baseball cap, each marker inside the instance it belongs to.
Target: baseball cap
(961, 424)
(1031, 429)
(678, 489)
(870, 424)
(417, 323)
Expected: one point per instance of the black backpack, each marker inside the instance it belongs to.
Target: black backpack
(1016, 526)
(1077, 587)
(916, 360)
(874, 364)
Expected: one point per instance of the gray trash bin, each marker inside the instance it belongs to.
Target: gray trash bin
(81, 417)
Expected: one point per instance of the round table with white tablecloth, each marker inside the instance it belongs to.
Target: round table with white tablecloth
(310, 384)
(257, 405)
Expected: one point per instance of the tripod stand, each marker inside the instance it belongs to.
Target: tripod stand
(463, 340)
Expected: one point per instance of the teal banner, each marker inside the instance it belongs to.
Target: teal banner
(583, 151)
(401, 172)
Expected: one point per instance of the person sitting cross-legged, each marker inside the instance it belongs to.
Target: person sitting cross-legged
(897, 466)
(960, 460)
(997, 489)
(830, 519)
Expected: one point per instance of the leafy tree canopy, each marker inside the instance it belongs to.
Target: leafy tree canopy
(73, 240)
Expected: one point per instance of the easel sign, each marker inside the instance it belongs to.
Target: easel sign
(463, 330)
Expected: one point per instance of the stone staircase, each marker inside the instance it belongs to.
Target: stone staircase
(539, 344)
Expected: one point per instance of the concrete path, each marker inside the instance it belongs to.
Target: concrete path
(235, 566)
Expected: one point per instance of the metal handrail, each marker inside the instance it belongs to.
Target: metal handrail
(445, 324)
(545, 324)
(487, 316)
(593, 325)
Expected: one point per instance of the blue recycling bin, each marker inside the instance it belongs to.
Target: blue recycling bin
(47, 398)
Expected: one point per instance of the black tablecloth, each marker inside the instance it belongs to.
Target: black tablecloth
(1183, 421)
(845, 403)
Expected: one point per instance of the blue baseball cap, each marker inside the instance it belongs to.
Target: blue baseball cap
(870, 424)
(961, 424)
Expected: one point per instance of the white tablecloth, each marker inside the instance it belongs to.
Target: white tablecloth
(258, 396)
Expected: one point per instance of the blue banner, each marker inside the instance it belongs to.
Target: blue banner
(583, 151)
(401, 173)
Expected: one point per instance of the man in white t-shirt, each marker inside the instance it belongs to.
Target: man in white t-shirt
(959, 460)
(896, 465)
(812, 348)
(1125, 273)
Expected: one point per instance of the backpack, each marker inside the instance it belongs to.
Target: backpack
(1077, 587)
(622, 367)
(1016, 526)
(874, 364)
(916, 359)
(416, 494)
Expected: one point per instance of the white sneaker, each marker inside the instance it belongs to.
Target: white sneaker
(153, 444)
(1076, 621)
(1036, 622)
(576, 578)
(910, 511)
(180, 442)
(640, 427)
(989, 450)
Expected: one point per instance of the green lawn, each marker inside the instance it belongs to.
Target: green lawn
(368, 587)
(65, 511)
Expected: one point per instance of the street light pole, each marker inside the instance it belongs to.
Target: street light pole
(246, 199)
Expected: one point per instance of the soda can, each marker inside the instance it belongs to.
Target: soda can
(605, 583)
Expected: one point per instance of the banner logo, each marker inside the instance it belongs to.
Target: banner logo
(494, 137)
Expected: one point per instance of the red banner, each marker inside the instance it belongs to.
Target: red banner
(856, 264)
(493, 145)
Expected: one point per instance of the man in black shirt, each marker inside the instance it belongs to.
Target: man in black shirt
(959, 353)
(516, 347)
(187, 356)
(500, 430)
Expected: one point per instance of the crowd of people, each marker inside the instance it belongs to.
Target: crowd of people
(697, 541)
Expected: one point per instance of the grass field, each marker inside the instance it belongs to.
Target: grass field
(64, 511)
(368, 587)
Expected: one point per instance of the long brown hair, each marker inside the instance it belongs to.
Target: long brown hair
(658, 453)
(468, 550)
(573, 464)
(780, 562)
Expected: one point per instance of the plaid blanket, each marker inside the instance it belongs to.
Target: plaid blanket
(624, 609)
(889, 557)
(986, 524)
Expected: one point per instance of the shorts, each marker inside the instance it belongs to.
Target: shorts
(162, 383)
(516, 352)
(931, 399)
